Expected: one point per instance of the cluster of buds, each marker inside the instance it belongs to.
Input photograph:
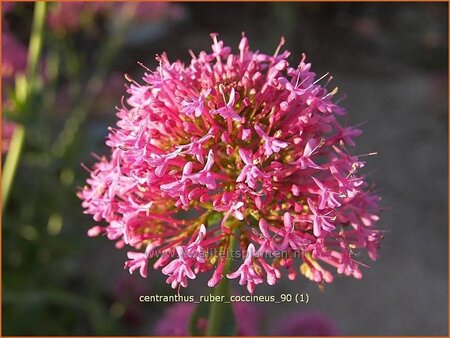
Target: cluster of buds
(240, 146)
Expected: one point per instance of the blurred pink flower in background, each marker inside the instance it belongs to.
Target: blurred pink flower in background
(125, 291)
(14, 61)
(7, 133)
(176, 318)
(70, 16)
(304, 324)
(14, 57)
(7, 6)
(155, 11)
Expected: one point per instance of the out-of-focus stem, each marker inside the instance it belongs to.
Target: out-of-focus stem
(11, 162)
(35, 45)
(18, 138)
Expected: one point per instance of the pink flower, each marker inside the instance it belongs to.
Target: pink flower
(67, 16)
(321, 222)
(205, 176)
(305, 160)
(268, 243)
(232, 209)
(247, 273)
(195, 148)
(292, 238)
(195, 250)
(250, 172)
(347, 186)
(195, 107)
(179, 269)
(234, 145)
(227, 112)
(139, 261)
(271, 145)
(327, 196)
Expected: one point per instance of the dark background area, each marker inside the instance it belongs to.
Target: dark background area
(390, 59)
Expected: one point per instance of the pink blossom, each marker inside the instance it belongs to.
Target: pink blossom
(228, 112)
(195, 106)
(320, 221)
(217, 275)
(347, 134)
(268, 243)
(250, 172)
(195, 148)
(247, 273)
(139, 260)
(292, 238)
(66, 16)
(179, 269)
(233, 209)
(305, 160)
(272, 273)
(234, 145)
(195, 250)
(205, 176)
(271, 144)
(347, 186)
(327, 196)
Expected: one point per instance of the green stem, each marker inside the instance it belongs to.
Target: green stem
(18, 138)
(218, 310)
(11, 162)
(35, 46)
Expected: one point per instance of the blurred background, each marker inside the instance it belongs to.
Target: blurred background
(391, 59)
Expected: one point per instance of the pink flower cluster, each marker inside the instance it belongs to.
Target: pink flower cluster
(239, 145)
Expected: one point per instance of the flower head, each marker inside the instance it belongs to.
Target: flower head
(239, 145)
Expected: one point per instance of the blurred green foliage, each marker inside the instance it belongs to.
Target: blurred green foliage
(45, 290)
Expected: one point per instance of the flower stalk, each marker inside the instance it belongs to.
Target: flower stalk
(221, 312)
